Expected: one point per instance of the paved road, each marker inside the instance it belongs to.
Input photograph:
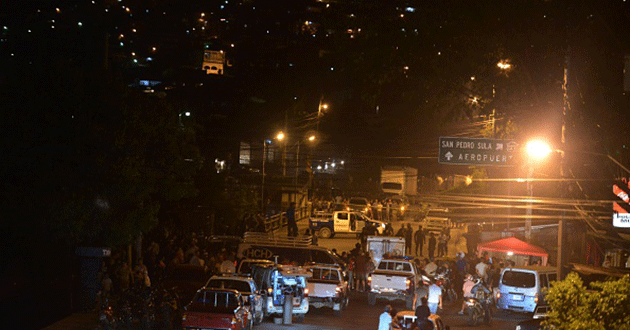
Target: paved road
(360, 315)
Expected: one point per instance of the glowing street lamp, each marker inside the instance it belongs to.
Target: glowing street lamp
(537, 150)
(504, 65)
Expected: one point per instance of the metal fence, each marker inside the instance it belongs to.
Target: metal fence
(279, 220)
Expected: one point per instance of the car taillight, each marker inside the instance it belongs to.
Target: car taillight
(305, 292)
(338, 289)
(369, 280)
(270, 291)
(408, 282)
(184, 317)
(498, 295)
(536, 298)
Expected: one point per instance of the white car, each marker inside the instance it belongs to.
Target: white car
(246, 287)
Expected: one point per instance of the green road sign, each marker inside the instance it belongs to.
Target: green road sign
(483, 152)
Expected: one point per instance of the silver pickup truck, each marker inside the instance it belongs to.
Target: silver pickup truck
(395, 279)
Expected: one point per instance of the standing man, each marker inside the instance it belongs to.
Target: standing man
(419, 238)
(291, 224)
(441, 244)
(401, 231)
(434, 297)
(408, 239)
(482, 270)
(431, 246)
(385, 320)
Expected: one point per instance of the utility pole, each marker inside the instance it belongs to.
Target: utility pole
(566, 107)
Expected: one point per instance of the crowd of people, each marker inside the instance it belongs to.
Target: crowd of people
(383, 209)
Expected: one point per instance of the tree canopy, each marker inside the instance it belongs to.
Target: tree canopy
(605, 306)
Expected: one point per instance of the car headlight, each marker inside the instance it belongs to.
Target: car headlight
(382, 225)
(518, 327)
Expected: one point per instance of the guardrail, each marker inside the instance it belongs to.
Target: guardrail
(279, 220)
(265, 238)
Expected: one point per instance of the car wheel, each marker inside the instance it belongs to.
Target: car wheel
(300, 318)
(337, 312)
(371, 299)
(325, 233)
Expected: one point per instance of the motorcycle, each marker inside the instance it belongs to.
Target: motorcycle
(478, 308)
(446, 284)
(106, 315)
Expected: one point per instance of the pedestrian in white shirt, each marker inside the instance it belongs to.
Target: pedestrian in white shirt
(385, 320)
(434, 297)
(482, 270)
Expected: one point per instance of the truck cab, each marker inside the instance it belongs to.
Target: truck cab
(395, 278)
(350, 222)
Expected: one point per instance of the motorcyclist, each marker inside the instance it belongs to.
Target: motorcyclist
(466, 289)
(482, 293)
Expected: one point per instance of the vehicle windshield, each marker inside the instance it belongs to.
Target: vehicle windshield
(519, 279)
(240, 286)
(247, 266)
(214, 302)
(325, 274)
(396, 266)
(392, 185)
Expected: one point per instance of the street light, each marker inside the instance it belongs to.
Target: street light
(187, 114)
(322, 106)
(504, 65)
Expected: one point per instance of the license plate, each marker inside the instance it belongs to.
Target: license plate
(517, 297)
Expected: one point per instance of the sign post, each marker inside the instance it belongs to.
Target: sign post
(471, 151)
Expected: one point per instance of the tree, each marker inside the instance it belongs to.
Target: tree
(605, 307)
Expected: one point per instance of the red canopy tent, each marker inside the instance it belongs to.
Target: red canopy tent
(514, 246)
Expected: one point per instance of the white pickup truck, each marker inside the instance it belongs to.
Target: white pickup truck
(328, 288)
(326, 225)
(395, 279)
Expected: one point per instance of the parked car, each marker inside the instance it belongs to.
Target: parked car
(328, 288)
(540, 314)
(282, 282)
(326, 225)
(286, 250)
(407, 319)
(358, 204)
(521, 288)
(217, 309)
(246, 287)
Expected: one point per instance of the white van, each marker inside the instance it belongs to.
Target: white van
(521, 289)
